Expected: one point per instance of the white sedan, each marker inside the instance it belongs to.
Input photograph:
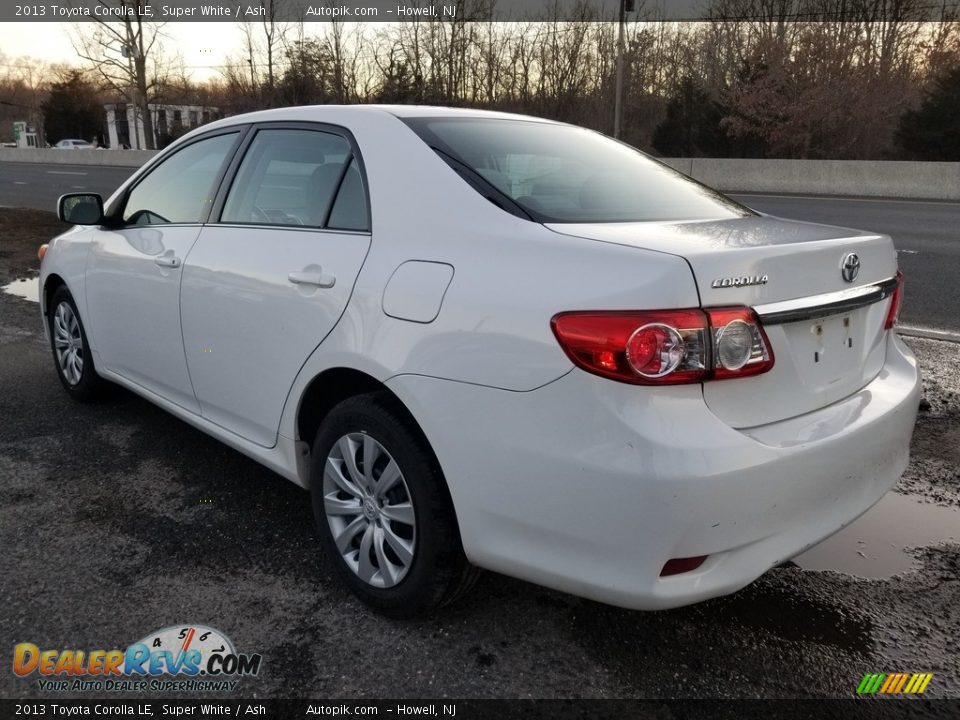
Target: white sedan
(493, 341)
(70, 144)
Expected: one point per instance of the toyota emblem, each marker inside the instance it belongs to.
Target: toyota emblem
(850, 267)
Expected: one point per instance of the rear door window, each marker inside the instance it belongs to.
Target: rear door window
(350, 208)
(289, 177)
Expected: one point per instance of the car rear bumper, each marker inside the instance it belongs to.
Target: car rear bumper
(590, 486)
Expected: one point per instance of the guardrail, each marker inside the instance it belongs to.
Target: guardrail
(102, 158)
(854, 178)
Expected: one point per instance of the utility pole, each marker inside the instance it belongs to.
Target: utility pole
(127, 50)
(625, 6)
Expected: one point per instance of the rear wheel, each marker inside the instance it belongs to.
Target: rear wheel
(71, 351)
(383, 511)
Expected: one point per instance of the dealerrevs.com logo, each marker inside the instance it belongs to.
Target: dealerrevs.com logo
(179, 658)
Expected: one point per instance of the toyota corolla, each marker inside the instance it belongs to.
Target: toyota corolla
(493, 341)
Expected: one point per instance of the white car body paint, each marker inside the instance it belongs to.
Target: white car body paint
(415, 290)
(133, 306)
(557, 476)
(240, 311)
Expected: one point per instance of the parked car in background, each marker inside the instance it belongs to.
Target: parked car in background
(72, 144)
(494, 341)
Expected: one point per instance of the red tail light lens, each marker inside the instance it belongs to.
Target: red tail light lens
(896, 300)
(665, 347)
(643, 348)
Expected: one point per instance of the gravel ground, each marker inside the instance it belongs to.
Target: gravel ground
(119, 519)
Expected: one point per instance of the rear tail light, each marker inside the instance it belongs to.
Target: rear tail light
(741, 347)
(665, 347)
(896, 300)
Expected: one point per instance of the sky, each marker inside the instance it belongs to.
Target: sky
(201, 44)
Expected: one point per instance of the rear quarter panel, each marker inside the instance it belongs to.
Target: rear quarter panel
(511, 277)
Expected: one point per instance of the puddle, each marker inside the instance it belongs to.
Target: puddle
(26, 289)
(874, 546)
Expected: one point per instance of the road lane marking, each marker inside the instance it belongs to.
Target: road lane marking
(831, 198)
(64, 172)
(19, 182)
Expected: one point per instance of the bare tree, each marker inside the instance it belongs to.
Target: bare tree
(23, 86)
(269, 25)
(128, 56)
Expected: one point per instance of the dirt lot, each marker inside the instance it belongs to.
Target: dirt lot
(119, 519)
(21, 233)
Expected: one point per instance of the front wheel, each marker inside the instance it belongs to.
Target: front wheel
(383, 510)
(71, 351)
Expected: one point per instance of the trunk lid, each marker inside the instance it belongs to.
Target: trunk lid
(761, 262)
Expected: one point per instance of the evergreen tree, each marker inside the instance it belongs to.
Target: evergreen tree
(932, 131)
(72, 110)
(692, 125)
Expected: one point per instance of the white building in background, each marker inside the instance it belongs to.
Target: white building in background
(24, 135)
(125, 125)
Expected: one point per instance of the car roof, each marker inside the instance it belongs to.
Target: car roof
(440, 111)
(323, 113)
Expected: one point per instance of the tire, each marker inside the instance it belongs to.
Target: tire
(399, 547)
(71, 350)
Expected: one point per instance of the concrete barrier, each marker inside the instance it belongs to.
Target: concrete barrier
(102, 158)
(854, 178)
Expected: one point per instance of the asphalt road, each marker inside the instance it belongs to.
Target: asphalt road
(38, 186)
(927, 234)
(118, 519)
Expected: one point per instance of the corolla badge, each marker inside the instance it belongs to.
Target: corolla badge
(850, 267)
(729, 282)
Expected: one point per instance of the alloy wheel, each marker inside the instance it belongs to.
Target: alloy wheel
(369, 509)
(68, 343)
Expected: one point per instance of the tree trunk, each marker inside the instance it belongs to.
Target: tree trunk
(140, 66)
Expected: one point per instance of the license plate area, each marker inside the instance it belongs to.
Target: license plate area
(832, 335)
(834, 349)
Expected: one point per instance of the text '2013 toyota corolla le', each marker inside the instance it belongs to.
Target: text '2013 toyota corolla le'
(493, 341)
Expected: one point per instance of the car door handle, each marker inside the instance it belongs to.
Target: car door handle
(321, 280)
(170, 261)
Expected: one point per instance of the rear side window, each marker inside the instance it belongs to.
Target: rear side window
(565, 174)
(179, 189)
(296, 178)
(350, 209)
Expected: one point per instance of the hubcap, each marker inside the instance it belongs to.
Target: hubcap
(68, 343)
(369, 510)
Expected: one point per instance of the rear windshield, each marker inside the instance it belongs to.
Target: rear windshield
(566, 174)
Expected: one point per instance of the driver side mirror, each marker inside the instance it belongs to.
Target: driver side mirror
(80, 209)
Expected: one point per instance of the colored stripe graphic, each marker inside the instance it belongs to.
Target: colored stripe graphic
(894, 683)
(914, 683)
(870, 683)
(900, 683)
